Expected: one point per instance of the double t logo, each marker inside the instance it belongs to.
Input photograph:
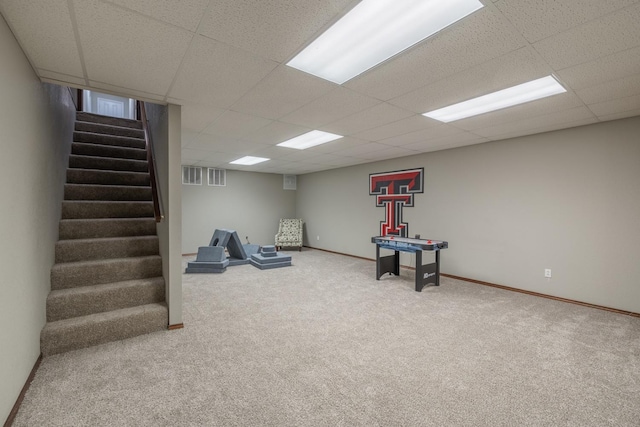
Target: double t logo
(393, 190)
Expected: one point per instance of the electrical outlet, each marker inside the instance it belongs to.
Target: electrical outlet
(547, 273)
(317, 237)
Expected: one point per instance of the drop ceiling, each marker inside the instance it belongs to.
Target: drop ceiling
(224, 62)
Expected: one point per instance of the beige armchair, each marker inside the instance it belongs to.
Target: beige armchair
(289, 233)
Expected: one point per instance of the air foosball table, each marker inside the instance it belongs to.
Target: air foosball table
(425, 274)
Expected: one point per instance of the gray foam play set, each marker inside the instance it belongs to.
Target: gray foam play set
(213, 259)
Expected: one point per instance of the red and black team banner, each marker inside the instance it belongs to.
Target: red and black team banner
(394, 190)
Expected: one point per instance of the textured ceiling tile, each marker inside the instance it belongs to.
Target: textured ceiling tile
(601, 37)
(275, 133)
(521, 113)
(197, 117)
(471, 41)
(44, 30)
(620, 88)
(616, 106)
(400, 127)
(448, 141)
(539, 19)
(215, 74)
(183, 13)
(338, 103)
(555, 120)
(381, 114)
(388, 153)
(508, 70)
(361, 149)
(126, 92)
(338, 144)
(274, 29)
(437, 131)
(232, 124)
(282, 91)
(620, 115)
(601, 70)
(148, 52)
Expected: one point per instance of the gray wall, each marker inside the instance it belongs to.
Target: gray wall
(251, 203)
(36, 125)
(164, 126)
(566, 200)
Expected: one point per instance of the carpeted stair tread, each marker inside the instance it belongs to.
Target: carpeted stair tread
(95, 272)
(80, 332)
(108, 120)
(85, 209)
(98, 138)
(99, 150)
(107, 163)
(106, 192)
(92, 228)
(86, 300)
(104, 248)
(103, 177)
(94, 127)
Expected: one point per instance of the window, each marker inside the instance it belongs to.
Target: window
(191, 175)
(217, 177)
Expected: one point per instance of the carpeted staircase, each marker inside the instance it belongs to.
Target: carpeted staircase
(107, 283)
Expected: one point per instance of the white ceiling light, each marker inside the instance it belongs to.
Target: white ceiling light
(248, 160)
(309, 139)
(525, 92)
(374, 31)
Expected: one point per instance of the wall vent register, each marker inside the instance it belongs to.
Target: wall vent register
(191, 175)
(217, 177)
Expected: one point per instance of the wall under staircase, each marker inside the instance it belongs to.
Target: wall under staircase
(106, 283)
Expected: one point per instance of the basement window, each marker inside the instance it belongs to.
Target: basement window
(217, 177)
(191, 175)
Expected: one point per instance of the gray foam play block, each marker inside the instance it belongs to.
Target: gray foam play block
(206, 267)
(271, 265)
(260, 258)
(237, 261)
(211, 254)
(268, 249)
(192, 270)
(251, 249)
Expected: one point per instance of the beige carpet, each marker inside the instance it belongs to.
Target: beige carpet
(322, 343)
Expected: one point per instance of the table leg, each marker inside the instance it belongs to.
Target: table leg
(419, 284)
(437, 268)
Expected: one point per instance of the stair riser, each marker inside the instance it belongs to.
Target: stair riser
(104, 192)
(103, 298)
(85, 250)
(93, 229)
(96, 209)
(97, 150)
(103, 163)
(95, 118)
(103, 328)
(72, 275)
(109, 130)
(91, 176)
(120, 141)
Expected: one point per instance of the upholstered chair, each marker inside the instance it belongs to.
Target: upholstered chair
(289, 233)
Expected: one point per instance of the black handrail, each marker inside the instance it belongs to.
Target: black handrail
(155, 190)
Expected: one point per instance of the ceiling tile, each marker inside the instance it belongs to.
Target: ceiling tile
(338, 103)
(183, 13)
(381, 114)
(196, 117)
(363, 149)
(388, 153)
(148, 51)
(616, 106)
(190, 154)
(448, 141)
(620, 88)
(126, 92)
(400, 127)
(539, 19)
(540, 123)
(274, 29)
(620, 115)
(601, 70)
(216, 74)
(514, 68)
(275, 133)
(336, 145)
(44, 30)
(601, 37)
(437, 131)
(473, 40)
(232, 124)
(282, 91)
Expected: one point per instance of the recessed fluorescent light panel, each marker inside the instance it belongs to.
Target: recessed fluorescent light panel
(374, 31)
(525, 92)
(248, 160)
(310, 139)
